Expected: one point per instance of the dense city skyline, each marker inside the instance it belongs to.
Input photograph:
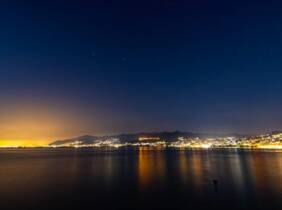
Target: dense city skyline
(108, 67)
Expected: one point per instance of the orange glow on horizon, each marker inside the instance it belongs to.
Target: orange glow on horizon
(23, 143)
(27, 122)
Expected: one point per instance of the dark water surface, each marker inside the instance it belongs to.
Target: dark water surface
(140, 179)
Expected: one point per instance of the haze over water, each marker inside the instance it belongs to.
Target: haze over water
(140, 179)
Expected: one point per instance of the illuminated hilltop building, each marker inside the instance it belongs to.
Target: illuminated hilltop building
(149, 139)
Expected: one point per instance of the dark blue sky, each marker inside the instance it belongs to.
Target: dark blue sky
(126, 66)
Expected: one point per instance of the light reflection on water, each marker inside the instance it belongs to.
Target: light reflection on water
(151, 167)
(250, 179)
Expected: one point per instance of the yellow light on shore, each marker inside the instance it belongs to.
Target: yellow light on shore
(22, 143)
(269, 146)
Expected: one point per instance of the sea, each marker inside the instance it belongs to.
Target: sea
(140, 178)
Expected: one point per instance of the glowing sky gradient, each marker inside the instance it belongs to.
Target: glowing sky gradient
(99, 67)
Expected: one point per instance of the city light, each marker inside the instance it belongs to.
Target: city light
(267, 141)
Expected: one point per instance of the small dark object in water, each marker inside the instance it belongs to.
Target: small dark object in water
(215, 184)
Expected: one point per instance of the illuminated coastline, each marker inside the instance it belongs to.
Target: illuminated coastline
(267, 141)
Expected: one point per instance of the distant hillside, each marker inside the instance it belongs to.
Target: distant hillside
(166, 136)
(87, 139)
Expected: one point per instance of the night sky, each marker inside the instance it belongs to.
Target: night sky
(100, 67)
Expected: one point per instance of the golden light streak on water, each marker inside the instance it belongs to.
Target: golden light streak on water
(151, 166)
